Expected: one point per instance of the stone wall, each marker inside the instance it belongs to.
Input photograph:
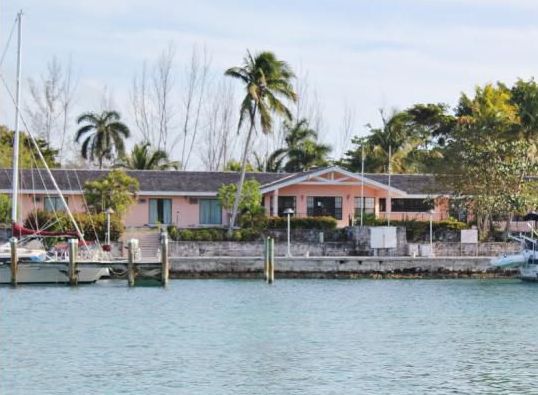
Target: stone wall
(480, 249)
(361, 248)
(236, 249)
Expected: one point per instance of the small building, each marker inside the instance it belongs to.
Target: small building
(189, 198)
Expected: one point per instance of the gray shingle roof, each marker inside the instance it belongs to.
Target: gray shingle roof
(198, 181)
(413, 184)
(150, 181)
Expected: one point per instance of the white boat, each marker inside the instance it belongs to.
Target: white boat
(51, 273)
(526, 260)
(34, 267)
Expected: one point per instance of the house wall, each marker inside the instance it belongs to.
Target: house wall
(348, 194)
(185, 210)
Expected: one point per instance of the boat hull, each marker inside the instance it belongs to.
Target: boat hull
(51, 273)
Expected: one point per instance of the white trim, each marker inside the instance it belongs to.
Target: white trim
(367, 181)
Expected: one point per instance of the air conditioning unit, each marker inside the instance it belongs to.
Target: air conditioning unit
(141, 201)
(193, 200)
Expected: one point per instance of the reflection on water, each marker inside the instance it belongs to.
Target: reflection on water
(295, 337)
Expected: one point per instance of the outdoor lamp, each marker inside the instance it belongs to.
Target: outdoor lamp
(289, 212)
(109, 211)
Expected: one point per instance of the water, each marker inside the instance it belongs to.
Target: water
(295, 337)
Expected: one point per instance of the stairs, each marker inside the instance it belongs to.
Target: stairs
(148, 240)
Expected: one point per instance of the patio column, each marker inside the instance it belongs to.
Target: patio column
(275, 203)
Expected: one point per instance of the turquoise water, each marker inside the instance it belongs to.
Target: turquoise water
(295, 337)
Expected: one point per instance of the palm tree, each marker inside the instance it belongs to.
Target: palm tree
(302, 149)
(143, 157)
(104, 134)
(267, 80)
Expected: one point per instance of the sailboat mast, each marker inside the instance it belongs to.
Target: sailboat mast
(15, 178)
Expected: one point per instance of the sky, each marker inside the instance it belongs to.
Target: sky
(368, 54)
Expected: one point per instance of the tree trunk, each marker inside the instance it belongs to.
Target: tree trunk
(507, 228)
(241, 178)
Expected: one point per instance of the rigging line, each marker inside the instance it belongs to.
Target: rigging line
(8, 41)
(71, 218)
(49, 224)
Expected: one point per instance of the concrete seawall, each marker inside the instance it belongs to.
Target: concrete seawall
(338, 267)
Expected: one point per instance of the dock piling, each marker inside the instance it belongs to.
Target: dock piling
(132, 246)
(14, 260)
(271, 261)
(266, 258)
(165, 262)
(72, 268)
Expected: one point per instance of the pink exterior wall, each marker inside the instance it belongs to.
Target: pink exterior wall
(185, 210)
(348, 194)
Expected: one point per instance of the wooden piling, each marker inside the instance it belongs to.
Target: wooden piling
(271, 261)
(265, 257)
(165, 262)
(72, 268)
(132, 246)
(14, 260)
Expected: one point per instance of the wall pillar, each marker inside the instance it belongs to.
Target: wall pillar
(275, 203)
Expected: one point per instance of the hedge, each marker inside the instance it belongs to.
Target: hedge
(321, 223)
(212, 234)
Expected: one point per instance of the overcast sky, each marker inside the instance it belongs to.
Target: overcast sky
(370, 54)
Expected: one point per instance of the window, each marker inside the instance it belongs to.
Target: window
(369, 204)
(160, 211)
(411, 205)
(54, 203)
(382, 205)
(285, 202)
(318, 206)
(210, 212)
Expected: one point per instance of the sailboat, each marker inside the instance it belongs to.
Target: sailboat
(34, 264)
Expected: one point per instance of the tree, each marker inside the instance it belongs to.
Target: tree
(302, 150)
(28, 156)
(103, 136)
(116, 190)
(250, 208)
(143, 157)
(267, 80)
(5, 209)
(482, 161)
(52, 99)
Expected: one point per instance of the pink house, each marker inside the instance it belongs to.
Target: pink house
(189, 199)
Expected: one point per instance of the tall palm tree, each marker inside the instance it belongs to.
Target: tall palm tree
(143, 157)
(103, 136)
(267, 80)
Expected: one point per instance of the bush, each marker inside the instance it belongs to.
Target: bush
(91, 225)
(321, 223)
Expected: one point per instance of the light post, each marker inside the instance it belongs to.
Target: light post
(289, 212)
(108, 212)
(431, 232)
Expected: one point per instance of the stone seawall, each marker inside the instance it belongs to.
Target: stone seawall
(338, 267)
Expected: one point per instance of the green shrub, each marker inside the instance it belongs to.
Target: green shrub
(322, 223)
(186, 235)
(91, 225)
(236, 235)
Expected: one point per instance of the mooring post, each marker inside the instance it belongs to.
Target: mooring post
(132, 246)
(72, 268)
(265, 257)
(271, 264)
(165, 262)
(14, 260)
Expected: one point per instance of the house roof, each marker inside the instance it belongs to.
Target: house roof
(201, 182)
(412, 184)
(151, 181)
